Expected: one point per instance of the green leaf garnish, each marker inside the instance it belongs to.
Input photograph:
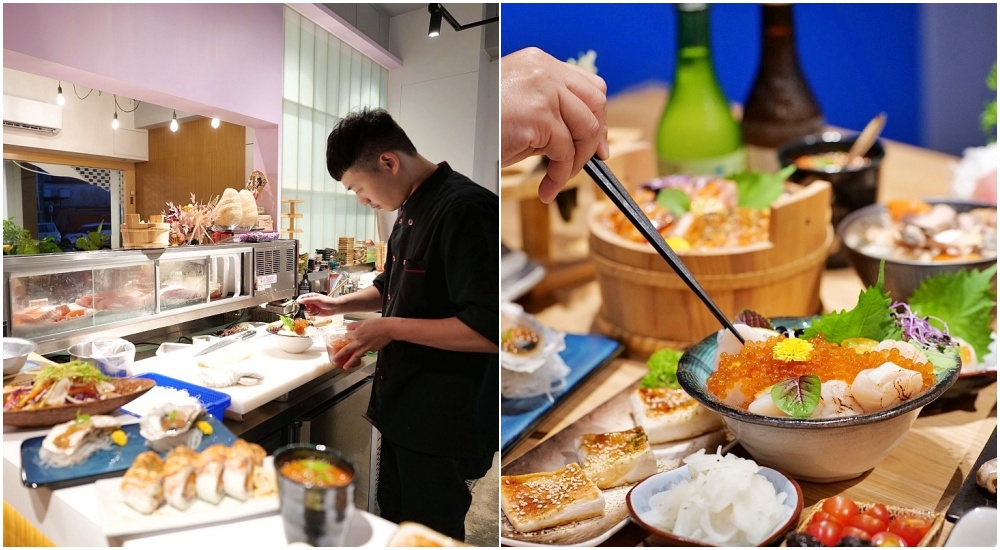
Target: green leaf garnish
(288, 322)
(81, 419)
(662, 369)
(943, 360)
(759, 189)
(81, 370)
(870, 318)
(960, 302)
(172, 415)
(797, 397)
(675, 200)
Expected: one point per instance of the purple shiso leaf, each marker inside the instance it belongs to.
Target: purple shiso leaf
(751, 318)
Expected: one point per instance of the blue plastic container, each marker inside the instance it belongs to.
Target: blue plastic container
(215, 402)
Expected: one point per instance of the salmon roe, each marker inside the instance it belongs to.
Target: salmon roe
(754, 368)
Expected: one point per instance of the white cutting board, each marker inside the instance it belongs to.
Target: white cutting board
(282, 371)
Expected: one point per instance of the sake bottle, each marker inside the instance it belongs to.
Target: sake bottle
(697, 132)
(781, 107)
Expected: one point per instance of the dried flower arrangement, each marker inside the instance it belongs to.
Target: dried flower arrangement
(189, 223)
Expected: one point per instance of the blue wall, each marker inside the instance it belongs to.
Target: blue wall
(924, 65)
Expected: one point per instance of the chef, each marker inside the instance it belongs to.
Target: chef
(435, 396)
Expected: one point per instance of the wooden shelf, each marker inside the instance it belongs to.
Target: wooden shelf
(292, 201)
(291, 216)
(294, 216)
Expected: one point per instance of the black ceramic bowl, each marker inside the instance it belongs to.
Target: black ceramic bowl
(852, 188)
(316, 515)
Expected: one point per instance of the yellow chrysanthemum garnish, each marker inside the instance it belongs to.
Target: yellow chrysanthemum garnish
(205, 427)
(119, 437)
(792, 349)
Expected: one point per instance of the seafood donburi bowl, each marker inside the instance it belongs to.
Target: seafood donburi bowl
(827, 449)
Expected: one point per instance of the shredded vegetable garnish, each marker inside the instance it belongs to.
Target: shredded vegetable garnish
(80, 370)
(919, 328)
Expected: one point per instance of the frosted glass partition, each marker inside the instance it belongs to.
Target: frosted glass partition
(324, 79)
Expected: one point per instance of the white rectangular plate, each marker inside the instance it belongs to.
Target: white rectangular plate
(119, 519)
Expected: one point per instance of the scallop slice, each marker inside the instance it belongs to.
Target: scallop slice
(885, 386)
(727, 342)
(836, 400)
(764, 405)
(905, 349)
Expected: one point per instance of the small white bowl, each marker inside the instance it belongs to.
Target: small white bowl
(639, 509)
(293, 344)
(15, 354)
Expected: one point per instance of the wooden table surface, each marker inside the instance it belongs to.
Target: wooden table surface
(925, 471)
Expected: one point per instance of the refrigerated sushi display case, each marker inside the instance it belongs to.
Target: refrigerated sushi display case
(52, 299)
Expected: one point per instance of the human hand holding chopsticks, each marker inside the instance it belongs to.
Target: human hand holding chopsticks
(554, 109)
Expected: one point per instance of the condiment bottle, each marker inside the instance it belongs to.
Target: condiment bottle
(781, 107)
(697, 132)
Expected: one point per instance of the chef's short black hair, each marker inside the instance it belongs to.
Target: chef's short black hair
(359, 138)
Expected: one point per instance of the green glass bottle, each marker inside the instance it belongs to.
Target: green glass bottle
(697, 132)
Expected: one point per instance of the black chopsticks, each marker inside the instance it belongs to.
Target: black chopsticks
(607, 181)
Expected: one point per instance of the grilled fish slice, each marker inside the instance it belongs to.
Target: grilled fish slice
(546, 499)
(616, 458)
(669, 415)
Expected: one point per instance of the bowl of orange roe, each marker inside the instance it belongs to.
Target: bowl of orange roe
(845, 435)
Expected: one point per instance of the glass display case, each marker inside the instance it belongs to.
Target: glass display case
(59, 299)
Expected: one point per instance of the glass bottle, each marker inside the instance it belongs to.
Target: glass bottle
(781, 107)
(697, 132)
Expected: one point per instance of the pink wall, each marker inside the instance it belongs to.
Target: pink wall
(215, 60)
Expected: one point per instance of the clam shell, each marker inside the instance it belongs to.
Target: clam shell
(78, 437)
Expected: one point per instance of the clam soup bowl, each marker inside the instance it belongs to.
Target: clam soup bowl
(639, 509)
(821, 450)
(293, 344)
(902, 276)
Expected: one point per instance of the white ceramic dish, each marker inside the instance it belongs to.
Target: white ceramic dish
(293, 344)
(15, 354)
(119, 519)
(978, 527)
(640, 510)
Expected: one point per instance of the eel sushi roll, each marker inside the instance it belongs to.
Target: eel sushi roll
(142, 486)
(208, 473)
(179, 478)
(238, 474)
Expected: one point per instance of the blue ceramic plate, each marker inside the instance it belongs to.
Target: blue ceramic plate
(698, 362)
(101, 464)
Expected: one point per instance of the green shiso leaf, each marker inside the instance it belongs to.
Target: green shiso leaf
(797, 397)
(870, 318)
(662, 369)
(961, 303)
(759, 189)
(675, 200)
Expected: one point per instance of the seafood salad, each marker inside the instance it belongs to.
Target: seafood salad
(72, 383)
(847, 363)
(916, 230)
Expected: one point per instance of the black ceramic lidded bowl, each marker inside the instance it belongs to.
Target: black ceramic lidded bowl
(853, 188)
(315, 513)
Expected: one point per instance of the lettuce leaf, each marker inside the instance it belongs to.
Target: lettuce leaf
(662, 369)
(960, 302)
(871, 318)
(675, 200)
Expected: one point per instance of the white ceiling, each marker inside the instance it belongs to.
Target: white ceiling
(392, 10)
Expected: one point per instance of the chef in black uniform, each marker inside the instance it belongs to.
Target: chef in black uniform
(435, 397)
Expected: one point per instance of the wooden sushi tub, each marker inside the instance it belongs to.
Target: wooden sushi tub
(647, 306)
(138, 234)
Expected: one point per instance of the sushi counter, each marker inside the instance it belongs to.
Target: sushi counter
(293, 389)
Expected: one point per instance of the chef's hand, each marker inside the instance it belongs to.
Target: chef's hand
(363, 336)
(320, 304)
(554, 109)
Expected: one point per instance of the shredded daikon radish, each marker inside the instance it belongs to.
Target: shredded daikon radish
(726, 502)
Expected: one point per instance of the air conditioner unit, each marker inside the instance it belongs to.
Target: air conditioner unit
(35, 116)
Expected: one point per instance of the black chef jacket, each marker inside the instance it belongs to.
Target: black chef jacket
(442, 261)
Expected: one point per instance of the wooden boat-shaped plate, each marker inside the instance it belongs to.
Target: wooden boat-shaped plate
(127, 388)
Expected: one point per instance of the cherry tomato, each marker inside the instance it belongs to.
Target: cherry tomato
(910, 529)
(841, 508)
(868, 524)
(885, 538)
(879, 511)
(827, 532)
(823, 516)
(850, 531)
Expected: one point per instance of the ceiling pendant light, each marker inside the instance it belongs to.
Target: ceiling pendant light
(114, 121)
(173, 122)
(438, 12)
(216, 122)
(60, 98)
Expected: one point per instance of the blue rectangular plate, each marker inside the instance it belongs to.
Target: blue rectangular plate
(584, 354)
(101, 464)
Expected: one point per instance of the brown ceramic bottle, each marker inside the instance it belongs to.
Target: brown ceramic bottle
(781, 106)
